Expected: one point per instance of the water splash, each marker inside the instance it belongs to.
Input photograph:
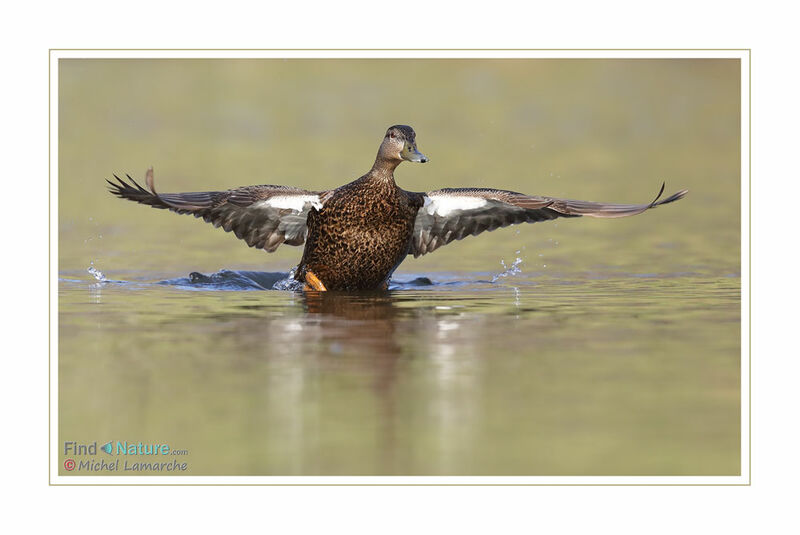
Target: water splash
(96, 273)
(288, 283)
(513, 269)
(226, 279)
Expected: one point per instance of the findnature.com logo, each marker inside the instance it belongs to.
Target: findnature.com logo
(124, 449)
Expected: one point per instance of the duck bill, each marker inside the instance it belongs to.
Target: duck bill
(411, 154)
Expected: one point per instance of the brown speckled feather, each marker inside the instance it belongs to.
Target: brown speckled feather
(360, 235)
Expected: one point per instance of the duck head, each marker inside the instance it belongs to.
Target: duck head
(400, 144)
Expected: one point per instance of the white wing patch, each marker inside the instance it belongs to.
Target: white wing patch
(445, 204)
(292, 202)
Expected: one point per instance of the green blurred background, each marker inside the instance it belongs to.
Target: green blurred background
(614, 351)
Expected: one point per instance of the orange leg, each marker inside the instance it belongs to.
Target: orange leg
(313, 283)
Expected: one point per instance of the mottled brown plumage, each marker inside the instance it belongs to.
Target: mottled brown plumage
(360, 235)
(356, 235)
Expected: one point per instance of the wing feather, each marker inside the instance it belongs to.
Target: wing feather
(455, 213)
(263, 216)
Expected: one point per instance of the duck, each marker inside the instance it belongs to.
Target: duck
(355, 236)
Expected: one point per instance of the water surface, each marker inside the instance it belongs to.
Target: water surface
(626, 374)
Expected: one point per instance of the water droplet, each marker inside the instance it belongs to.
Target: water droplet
(96, 273)
(513, 269)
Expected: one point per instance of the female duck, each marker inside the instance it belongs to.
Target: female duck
(356, 235)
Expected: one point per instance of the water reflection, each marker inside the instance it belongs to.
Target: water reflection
(457, 391)
(386, 352)
(389, 342)
(367, 328)
(434, 380)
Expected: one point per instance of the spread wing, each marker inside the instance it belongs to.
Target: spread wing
(455, 213)
(263, 216)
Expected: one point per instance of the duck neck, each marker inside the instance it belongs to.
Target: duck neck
(383, 169)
